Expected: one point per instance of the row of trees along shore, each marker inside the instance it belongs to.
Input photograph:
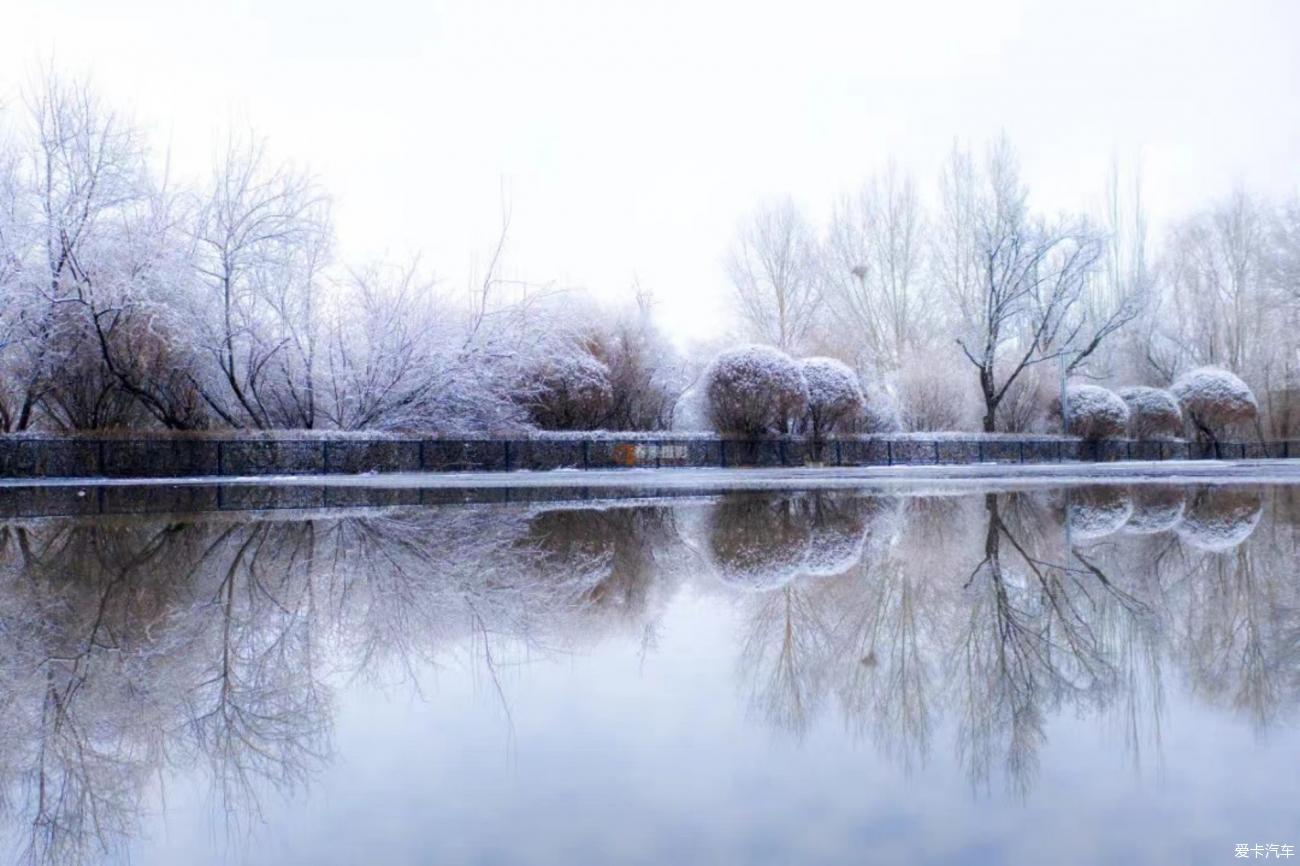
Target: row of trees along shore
(759, 391)
(133, 301)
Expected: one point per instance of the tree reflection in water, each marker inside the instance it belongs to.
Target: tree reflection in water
(134, 647)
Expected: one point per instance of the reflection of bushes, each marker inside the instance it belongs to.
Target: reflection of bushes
(623, 549)
(130, 650)
(761, 541)
(841, 524)
(1220, 518)
(1094, 512)
(758, 542)
(1155, 509)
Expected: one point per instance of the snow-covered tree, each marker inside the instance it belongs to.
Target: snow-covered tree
(646, 373)
(1153, 413)
(935, 392)
(1094, 413)
(570, 391)
(774, 268)
(755, 391)
(834, 396)
(1019, 281)
(1215, 401)
(874, 264)
(261, 242)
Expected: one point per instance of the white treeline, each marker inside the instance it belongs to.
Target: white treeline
(973, 308)
(134, 301)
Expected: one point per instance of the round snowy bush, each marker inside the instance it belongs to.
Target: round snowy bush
(1094, 512)
(758, 543)
(1094, 412)
(1153, 413)
(754, 391)
(570, 391)
(1220, 518)
(834, 395)
(1215, 400)
(1155, 509)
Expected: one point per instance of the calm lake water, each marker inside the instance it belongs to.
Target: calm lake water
(1084, 675)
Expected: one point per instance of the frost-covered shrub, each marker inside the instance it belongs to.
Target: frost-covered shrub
(1153, 413)
(1220, 518)
(754, 391)
(646, 374)
(758, 543)
(936, 393)
(834, 395)
(1215, 400)
(570, 391)
(1155, 509)
(1094, 412)
(879, 412)
(1094, 512)
(1027, 402)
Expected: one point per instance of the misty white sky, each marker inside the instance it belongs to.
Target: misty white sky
(630, 137)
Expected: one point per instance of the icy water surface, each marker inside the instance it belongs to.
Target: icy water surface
(1103, 674)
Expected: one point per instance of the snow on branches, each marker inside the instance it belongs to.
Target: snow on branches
(835, 399)
(1153, 413)
(1094, 412)
(570, 391)
(755, 391)
(1215, 400)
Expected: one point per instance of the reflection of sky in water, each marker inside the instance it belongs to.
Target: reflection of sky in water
(719, 724)
(618, 759)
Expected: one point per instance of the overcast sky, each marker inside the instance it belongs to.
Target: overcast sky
(630, 137)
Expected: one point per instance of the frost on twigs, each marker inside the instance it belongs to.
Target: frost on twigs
(754, 391)
(834, 395)
(1154, 413)
(569, 391)
(1220, 518)
(1094, 413)
(1215, 400)
(835, 398)
(880, 412)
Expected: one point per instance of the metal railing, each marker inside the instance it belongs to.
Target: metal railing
(130, 458)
